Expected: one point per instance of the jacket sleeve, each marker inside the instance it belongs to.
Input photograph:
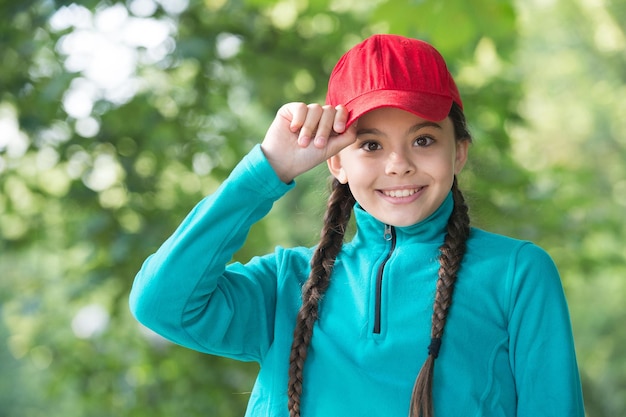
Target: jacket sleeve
(187, 294)
(542, 352)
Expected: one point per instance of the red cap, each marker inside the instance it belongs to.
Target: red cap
(393, 71)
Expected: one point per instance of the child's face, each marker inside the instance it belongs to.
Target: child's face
(401, 167)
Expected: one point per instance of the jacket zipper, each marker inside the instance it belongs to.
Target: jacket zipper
(389, 235)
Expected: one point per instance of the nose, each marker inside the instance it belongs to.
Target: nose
(399, 163)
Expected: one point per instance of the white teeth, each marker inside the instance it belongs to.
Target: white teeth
(400, 193)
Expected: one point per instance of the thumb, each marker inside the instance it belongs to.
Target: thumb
(343, 140)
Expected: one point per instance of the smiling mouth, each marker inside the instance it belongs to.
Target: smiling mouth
(401, 193)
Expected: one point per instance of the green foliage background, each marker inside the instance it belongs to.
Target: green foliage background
(85, 199)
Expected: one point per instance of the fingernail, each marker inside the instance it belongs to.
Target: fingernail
(320, 141)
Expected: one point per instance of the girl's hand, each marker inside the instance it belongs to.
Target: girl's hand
(303, 136)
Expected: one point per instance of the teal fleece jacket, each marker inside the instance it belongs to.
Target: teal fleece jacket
(507, 347)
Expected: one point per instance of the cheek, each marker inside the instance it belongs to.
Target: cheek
(438, 166)
(356, 172)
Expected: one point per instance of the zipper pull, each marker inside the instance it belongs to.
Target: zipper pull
(388, 235)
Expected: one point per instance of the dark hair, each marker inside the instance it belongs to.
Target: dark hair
(338, 213)
(451, 255)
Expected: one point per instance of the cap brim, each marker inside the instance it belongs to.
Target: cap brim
(428, 106)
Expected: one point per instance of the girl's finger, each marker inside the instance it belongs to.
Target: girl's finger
(308, 129)
(298, 112)
(342, 140)
(325, 126)
(341, 117)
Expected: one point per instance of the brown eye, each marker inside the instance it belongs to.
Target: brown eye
(370, 146)
(424, 141)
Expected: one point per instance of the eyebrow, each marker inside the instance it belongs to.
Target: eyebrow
(412, 129)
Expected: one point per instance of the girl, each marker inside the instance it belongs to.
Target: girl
(357, 328)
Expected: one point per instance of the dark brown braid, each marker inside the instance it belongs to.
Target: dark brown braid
(452, 252)
(338, 212)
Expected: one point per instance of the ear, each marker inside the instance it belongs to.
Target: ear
(336, 168)
(462, 149)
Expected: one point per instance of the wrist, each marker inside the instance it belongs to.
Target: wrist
(277, 167)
